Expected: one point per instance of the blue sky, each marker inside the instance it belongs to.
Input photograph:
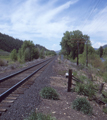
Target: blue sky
(45, 21)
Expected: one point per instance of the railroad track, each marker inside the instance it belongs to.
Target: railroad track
(15, 84)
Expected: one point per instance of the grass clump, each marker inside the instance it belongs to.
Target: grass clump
(81, 104)
(105, 110)
(2, 63)
(86, 89)
(40, 116)
(104, 93)
(49, 93)
(105, 77)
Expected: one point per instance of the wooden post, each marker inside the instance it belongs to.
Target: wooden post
(101, 87)
(69, 80)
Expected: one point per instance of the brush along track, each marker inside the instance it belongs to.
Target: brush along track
(15, 85)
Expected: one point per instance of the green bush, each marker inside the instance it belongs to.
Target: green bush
(40, 116)
(82, 78)
(2, 63)
(105, 77)
(104, 93)
(49, 93)
(86, 89)
(13, 55)
(81, 104)
(105, 110)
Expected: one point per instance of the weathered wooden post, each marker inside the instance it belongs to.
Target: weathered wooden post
(101, 87)
(69, 80)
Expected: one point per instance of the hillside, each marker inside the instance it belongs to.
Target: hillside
(8, 43)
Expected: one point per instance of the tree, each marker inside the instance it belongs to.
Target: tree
(42, 54)
(28, 51)
(13, 55)
(101, 51)
(69, 43)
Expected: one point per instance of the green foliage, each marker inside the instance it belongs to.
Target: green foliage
(105, 76)
(100, 51)
(104, 93)
(27, 52)
(105, 100)
(49, 93)
(8, 43)
(86, 89)
(69, 46)
(105, 110)
(82, 77)
(42, 54)
(2, 63)
(75, 73)
(81, 104)
(40, 116)
(13, 55)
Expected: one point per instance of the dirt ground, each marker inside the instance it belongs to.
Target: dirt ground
(62, 109)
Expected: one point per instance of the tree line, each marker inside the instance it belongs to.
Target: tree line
(77, 46)
(8, 43)
(29, 51)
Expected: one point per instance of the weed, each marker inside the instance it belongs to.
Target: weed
(105, 77)
(2, 63)
(75, 73)
(59, 62)
(61, 72)
(40, 116)
(81, 104)
(105, 110)
(86, 89)
(49, 93)
(104, 93)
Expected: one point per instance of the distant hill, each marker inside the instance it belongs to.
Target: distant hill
(39, 47)
(8, 43)
(104, 46)
(57, 52)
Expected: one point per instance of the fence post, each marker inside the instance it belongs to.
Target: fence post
(69, 80)
(101, 87)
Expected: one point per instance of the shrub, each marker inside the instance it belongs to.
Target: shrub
(49, 93)
(105, 77)
(105, 110)
(104, 93)
(13, 55)
(2, 63)
(40, 116)
(81, 104)
(86, 89)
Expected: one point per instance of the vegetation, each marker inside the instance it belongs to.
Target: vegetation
(49, 93)
(13, 55)
(42, 54)
(69, 43)
(8, 43)
(105, 110)
(46, 52)
(81, 104)
(40, 116)
(27, 52)
(2, 62)
(86, 89)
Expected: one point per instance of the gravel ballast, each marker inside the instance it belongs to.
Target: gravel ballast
(30, 100)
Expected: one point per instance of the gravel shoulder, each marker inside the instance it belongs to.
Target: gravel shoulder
(61, 109)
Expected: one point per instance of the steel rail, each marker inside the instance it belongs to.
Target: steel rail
(16, 73)
(10, 90)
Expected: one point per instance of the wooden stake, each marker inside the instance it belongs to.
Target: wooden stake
(69, 80)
